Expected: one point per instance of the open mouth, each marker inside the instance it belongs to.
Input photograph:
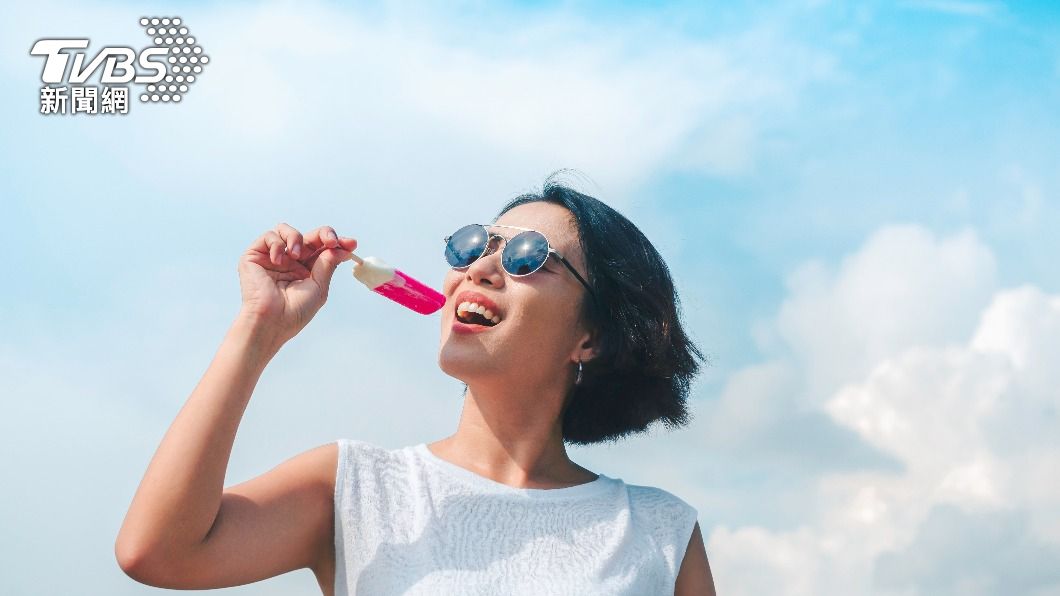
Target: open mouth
(476, 314)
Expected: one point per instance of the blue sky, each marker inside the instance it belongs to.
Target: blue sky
(858, 203)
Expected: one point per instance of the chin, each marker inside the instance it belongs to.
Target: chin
(464, 362)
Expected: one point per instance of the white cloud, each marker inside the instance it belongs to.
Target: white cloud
(1023, 325)
(957, 382)
(320, 87)
(903, 287)
(754, 561)
(965, 554)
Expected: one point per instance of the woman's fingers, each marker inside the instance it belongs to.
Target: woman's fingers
(264, 260)
(291, 237)
(321, 238)
(269, 249)
(347, 243)
(269, 244)
(276, 247)
(304, 250)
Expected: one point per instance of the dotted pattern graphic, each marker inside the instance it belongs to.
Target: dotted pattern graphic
(185, 59)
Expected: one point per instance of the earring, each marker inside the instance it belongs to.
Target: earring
(578, 379)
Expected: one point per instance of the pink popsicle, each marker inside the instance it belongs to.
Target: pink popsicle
(397, 286)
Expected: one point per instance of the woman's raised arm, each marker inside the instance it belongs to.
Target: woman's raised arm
(183, 530)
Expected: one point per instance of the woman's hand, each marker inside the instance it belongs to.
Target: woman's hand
(284, 277)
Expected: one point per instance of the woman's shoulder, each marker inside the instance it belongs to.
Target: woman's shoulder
(659, 505)
(366, 454)
(666, 517)
(654, 495)
(360, 446)
(360, 459)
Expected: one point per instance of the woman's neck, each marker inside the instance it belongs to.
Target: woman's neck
(514, 438)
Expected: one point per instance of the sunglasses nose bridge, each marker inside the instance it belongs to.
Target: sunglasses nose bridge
(494, 243)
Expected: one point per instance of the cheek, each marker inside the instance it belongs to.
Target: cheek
(550, 321)
(449, 285)
(450, 281)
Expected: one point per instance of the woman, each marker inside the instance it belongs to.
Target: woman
(566, 333)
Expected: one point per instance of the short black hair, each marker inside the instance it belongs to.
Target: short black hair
(646, 362)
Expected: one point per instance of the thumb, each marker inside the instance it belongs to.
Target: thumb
(324, 267)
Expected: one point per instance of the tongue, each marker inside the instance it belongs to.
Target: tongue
(476, 319)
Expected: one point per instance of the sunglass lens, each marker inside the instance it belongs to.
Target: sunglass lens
(525, 253)
(465, 245)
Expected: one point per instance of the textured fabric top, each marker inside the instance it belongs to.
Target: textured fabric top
(410, 522)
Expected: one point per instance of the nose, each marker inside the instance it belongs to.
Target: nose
(487, 268)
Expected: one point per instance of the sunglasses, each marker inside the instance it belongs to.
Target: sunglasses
(523, 254)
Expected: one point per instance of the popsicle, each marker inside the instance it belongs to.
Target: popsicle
(397, 286)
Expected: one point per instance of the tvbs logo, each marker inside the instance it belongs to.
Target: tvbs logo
(118, 67)
(166, 69)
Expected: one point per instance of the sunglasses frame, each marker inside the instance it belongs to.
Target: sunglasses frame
(551, 251)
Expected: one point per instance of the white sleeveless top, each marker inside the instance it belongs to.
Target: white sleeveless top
(410, 522)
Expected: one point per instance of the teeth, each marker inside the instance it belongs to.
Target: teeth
(474, 307)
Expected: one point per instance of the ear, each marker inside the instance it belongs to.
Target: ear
(588, 348)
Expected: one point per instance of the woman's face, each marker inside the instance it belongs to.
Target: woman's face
(539, 331)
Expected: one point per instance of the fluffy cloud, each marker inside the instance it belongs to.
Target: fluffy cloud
(538, 90)
(910, 347)
(760, 418)
(311, 96)
(904, 287)
(972, 554)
